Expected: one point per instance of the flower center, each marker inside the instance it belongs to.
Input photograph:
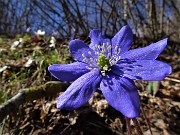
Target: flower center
(106, 57)
(103, 63)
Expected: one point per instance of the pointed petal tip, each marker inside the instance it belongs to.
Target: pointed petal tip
(123, 39)
(53, 68)
(58, 106)
(126, 27)
(133, 114)
(74, 41)
(163, 41)
(50, 68)
(96, 33)
(170, 69)
(61, 103)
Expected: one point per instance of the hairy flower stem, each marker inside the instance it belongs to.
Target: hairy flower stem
(147, 120)
(137, 126)
(128, 126)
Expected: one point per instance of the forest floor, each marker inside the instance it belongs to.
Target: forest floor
(26, 66)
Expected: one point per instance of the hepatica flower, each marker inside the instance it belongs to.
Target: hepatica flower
(110, 66)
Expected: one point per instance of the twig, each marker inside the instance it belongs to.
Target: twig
(172, 79)
(29, 94)
(147, 121)
(137, 125)
(128, 126)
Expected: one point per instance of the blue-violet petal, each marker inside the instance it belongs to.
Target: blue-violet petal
(151, 70)
(68, 72)
(123, 39)
(150, 52)
(121, 94)
(81, 51)
(80, 91)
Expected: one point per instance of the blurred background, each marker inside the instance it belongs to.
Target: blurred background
(152, 19)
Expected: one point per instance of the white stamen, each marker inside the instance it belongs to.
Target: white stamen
(103, 73)
(103, 45)
(88, 68)
(109, 54)
(109, 47)
(116, 50)
(112, 62)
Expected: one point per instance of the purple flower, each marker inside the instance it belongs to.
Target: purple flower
(108, 65)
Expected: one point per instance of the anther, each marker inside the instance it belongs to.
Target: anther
(119, 50)
(105, 68)
(91, 64)
(83, 55)
(91, 59)
(89, 52)
(117, 58)
(103, 50)
(116, 47)
(85, 59)
(116, 50)
(95, 69)
(103, 44)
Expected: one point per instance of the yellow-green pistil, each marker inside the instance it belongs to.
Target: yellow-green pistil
(103, 62)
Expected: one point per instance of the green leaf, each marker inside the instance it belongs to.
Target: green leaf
(153, 87)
